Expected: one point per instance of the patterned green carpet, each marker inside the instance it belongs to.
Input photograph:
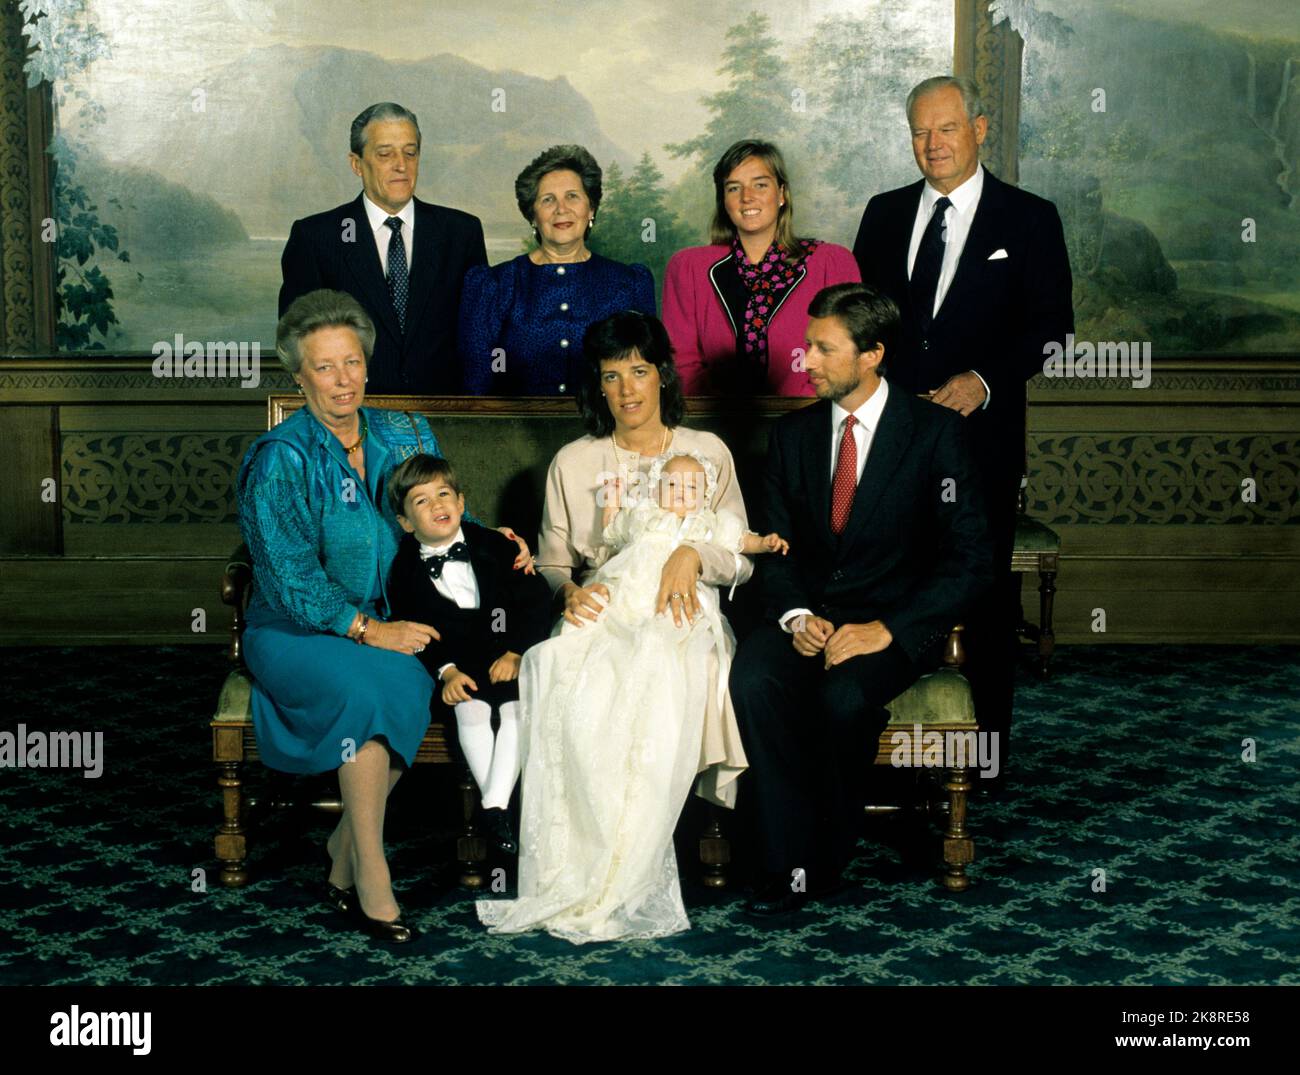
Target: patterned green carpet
(1128, 761)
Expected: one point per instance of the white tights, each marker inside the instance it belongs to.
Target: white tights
(494, 760)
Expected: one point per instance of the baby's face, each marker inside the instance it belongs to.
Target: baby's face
(682, 483)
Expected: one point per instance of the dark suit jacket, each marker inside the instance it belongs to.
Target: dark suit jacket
(422, 360)
(996, 315)
(508, 599)
(908, 556)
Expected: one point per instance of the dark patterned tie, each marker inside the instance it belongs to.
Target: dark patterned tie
(929, 262)
(399, 285)
(846, 478)
(436, 562)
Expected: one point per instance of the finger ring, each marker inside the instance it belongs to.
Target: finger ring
(678, 596)
(419, 649)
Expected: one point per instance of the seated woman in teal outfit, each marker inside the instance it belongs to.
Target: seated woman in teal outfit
(335, 685)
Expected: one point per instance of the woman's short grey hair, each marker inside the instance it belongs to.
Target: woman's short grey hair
(970, 96)
(378, 113)
(558, 159)
(317, 310)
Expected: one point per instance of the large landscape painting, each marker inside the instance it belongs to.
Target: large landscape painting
(1169, 139)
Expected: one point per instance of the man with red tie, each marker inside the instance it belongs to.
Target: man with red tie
(889, 546)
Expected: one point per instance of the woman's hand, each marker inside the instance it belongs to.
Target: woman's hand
(580, 604)
(677, 585)
(401, 636)
(456, 686)
(505, 668)
(525, 557)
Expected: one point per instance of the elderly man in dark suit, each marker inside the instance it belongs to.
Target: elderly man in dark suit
(980, 273)
(875, 491)
(403, 259)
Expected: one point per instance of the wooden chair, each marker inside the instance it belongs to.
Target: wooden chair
(1037, 548)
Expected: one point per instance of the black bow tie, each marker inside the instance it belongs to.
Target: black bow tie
(458, 551)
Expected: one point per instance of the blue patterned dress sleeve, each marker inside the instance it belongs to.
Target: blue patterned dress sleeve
(482, 310)
(643, 290)
(283, 541)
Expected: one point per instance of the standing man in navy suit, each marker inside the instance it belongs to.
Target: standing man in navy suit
(401, 258)
(980, 273)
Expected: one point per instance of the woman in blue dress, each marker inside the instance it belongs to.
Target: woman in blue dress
(522, 322)
(335, 686)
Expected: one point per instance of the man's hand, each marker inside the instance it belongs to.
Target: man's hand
(525, 558)
(963, 393)
(677, 585)
(505, 668)
(811, 633)
(456, 686)
(855, 640)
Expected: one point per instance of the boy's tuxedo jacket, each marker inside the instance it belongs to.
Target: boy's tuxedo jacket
(508, 599)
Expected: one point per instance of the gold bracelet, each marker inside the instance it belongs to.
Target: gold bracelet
(361, 634)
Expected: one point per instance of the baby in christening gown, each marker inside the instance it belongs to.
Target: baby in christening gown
(612, 715)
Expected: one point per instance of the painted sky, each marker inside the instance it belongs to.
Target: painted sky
(643, 66)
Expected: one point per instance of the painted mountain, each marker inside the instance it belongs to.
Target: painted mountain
(287, 156)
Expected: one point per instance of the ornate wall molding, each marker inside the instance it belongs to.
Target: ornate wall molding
(151, 477)
(17, 290)
(1160, 479)
(991, 56)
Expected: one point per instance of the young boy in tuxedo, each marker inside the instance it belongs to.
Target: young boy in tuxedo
(459, 578)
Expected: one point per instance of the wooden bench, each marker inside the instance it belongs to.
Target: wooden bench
(501, 449)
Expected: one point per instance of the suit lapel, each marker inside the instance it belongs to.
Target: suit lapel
(888, 446)
(816, 453)
(362, 260)
(981, 241)
(901, 240)
(428, 256)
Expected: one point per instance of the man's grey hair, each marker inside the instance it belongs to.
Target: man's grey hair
(317, 310)
(382, 111)
(970, 96)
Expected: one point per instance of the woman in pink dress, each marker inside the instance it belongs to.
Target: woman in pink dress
(736, 310)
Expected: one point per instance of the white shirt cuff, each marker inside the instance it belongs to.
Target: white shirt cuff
(449, 664)
(792, 614)
(988, 395)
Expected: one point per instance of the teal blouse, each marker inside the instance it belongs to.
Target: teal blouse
(322, 540)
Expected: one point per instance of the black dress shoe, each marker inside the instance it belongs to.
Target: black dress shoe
(775, 897)
(497, 822)
(395, 932)
(343, 900)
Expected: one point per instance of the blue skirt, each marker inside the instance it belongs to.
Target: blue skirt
(317, 697)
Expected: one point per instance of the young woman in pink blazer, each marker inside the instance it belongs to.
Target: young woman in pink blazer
(736, 310)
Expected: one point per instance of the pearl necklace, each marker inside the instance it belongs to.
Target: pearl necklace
(618, 459)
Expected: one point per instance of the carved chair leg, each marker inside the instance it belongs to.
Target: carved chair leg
(1046, 636)
(471, 846)
(958, 847)
(231, 845)
(715, 851)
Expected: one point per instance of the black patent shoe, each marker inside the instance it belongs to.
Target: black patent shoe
(394, 932)
(775, 898)
(343, 900)
(500, 833)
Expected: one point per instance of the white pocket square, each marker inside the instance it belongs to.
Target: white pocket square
(997, 254)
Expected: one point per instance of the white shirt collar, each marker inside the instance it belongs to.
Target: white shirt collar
(377, 216)
(868, 415)
(964, 198)
(437, 550)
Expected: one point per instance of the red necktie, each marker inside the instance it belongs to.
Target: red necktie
(846, 478)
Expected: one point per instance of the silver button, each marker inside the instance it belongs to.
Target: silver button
(559, 271)
(564, 306)
(564, 343)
